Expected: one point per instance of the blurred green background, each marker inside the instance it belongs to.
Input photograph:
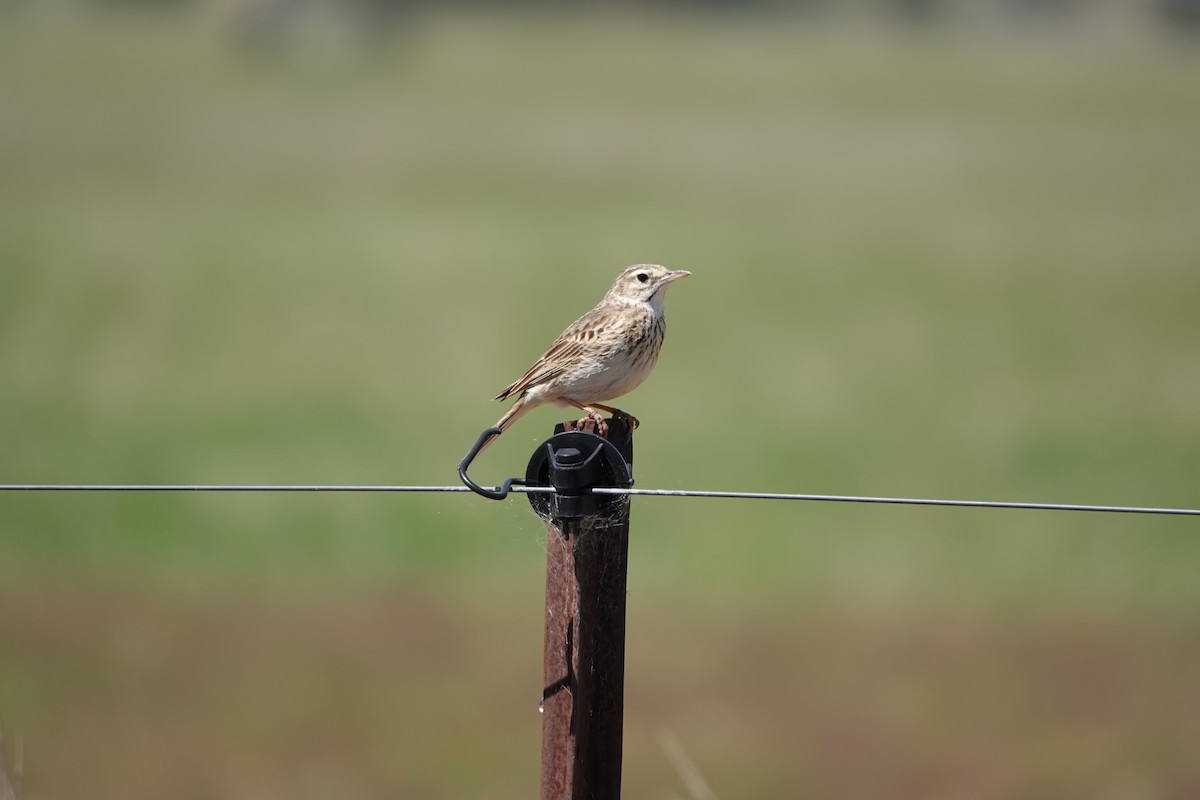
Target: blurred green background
(944, 250)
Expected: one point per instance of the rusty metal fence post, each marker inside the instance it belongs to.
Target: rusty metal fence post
(584, 659)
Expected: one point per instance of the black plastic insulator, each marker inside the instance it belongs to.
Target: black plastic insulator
(574, 463)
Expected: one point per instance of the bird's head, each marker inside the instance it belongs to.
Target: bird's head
(645, 283)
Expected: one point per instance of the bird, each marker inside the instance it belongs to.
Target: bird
(604, 354)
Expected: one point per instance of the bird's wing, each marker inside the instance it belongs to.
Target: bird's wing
(565, 349)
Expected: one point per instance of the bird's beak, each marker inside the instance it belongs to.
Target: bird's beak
(675, 275)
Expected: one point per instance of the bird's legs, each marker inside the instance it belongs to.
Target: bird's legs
(616, 412)
(600, 422)
(593, 415)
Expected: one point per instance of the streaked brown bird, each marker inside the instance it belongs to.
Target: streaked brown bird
(602, 355)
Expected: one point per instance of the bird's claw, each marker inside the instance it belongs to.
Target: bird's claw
(594, 421)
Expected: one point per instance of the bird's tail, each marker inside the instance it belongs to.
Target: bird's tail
(518, 410)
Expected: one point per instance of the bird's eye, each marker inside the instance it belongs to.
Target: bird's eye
(643, 277)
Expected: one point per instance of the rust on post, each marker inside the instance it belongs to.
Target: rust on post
(584, 659)
(558, 670)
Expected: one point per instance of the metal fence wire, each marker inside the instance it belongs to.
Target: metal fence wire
(690, 493)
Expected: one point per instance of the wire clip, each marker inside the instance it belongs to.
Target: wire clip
(501, 491)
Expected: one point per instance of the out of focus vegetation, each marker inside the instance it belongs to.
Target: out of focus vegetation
(938, 249)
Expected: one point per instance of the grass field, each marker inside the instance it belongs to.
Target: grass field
(928, 263)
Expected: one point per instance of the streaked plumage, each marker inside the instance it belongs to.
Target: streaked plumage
(602, 355)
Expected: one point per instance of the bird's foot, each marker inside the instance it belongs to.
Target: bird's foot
(593, 423)
(617, 413)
